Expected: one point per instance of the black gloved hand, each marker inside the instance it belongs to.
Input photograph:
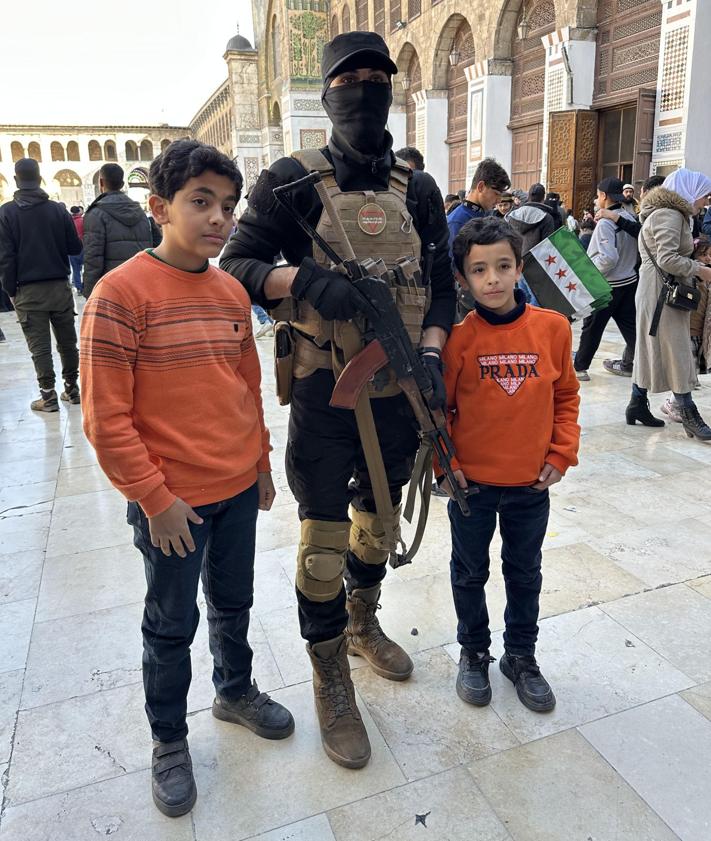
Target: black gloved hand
(431, 358)
(331, 294)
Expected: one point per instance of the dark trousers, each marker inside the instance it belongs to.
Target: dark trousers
(224, 556)
(76, 261)
(523, 519)
(326, 470)
(40, 306)
(622, 311)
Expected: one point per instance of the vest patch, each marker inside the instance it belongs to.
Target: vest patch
(509, 370)
(372, 219)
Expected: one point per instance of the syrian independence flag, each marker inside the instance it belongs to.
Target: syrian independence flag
(563, 277)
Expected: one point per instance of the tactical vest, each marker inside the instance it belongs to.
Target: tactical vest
(379, 227)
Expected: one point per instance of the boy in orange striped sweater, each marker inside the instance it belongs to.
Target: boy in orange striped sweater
(172, 405)
(513, 402)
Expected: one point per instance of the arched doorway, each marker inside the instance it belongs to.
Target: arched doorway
(109, 151)
(460, 54)
(527, 93)
(346, 19)
(164, 144)
(34, 151)
(414, 74)
(131, 150)
(69, 187)
(17, 150)
(56, 150)
(146, 150)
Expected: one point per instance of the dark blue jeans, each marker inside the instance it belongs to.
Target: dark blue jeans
(224, 556)
(523, 519)
(76, 261)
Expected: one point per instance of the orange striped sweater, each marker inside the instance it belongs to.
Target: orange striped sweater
(170, 383)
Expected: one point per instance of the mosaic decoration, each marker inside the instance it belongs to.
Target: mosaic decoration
(251, 172)
(308, 32)
(307, 105)
(250, 138)
(670, 142)
(676, 48)
(312, 138)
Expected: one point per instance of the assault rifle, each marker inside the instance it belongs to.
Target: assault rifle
(387, 340)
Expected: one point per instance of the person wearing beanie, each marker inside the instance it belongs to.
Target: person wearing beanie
(37, 237)
(388, 210)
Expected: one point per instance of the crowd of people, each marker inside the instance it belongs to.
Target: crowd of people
(163, 324)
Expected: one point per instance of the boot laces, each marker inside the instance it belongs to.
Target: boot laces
(371, 626)
(335, 690)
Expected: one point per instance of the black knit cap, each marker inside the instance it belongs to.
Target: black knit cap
(27, 173)
(353, 50)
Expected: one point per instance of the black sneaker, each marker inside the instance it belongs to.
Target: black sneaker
(532, 688)
(473, 679)
(256, 711)
(173, 784)
(71, 393)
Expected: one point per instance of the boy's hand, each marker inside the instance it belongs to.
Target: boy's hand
(171, 529)
(461, 481)
(549, 476)
(265, 486)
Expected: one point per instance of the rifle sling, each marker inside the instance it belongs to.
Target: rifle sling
(421, 480)
(352, 344)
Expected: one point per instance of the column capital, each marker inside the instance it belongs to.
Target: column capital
(489, 67)
(567, 34)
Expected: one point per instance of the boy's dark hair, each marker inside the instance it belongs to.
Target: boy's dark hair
(492, 174)
(485, 230)
(587, 225)
(75, 209)
(186, 159)
(652, 182)
(112, 176)
(410, 154)
(451, 197)
(536, 192)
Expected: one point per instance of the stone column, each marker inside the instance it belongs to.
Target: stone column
(570, 76)
(682, 122)
(489, 111)
(431, 133)
(397, 126)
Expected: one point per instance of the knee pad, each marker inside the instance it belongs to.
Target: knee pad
(367, 540)
(322, 559)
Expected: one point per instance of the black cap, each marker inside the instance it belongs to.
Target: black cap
(27, 173)
(367, 47)
(612, 187)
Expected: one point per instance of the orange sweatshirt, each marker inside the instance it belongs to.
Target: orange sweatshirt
(512, 396)
(170, 384)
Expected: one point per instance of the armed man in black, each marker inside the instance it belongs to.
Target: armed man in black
(387, 212)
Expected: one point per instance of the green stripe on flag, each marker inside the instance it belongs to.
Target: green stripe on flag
(574, 255)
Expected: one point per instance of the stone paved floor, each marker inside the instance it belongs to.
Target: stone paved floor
(626, 620)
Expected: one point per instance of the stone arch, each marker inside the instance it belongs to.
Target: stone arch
(131, 150)
(274, 62)
(57, 151)
(110, 151)
(17, 150)
(67, 178)
(69, 187)
(94, 150)
(334, 26)
(536, 11)
(72, 151)
(34, 151)
(455, 24)
(408, 65)
(275, 115)
(146, 150)
(346, 18)
(164, 144)
(403, 62)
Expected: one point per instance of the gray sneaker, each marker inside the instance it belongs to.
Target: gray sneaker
(583, 376)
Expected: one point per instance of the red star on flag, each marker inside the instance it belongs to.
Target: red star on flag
(550, 259)
(562, 272)
(571, 287)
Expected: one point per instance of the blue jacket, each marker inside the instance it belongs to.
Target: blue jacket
(706, 224)
(460, 216)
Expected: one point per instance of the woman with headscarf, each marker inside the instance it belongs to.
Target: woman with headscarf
(664, 362)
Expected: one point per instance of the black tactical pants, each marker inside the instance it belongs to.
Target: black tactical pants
(40, 306)
(622, 311)
(326, 470)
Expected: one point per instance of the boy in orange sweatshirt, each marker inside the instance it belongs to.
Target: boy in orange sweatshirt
(513, 400)
(172, 405)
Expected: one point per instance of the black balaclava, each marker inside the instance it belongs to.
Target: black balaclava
(359, 113)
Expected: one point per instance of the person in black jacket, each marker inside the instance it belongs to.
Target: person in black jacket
(396, 213)
(37, 236)
(115, 228)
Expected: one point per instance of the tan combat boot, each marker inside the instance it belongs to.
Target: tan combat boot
(47, 401)
(343, 733)
(366, 638)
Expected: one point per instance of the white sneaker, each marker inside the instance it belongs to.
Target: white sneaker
(671, 409)
(265, 330)
(583, 376)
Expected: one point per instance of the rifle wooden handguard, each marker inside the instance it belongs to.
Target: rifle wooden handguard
(357, 374)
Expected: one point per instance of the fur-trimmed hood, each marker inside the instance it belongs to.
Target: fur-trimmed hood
(660, 197)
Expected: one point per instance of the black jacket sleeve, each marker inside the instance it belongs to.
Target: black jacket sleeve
(94, 247)
(265, 230)
(8, 258)
(629, 226)
(427, 208)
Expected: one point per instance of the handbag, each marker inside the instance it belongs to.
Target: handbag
(676, 292)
